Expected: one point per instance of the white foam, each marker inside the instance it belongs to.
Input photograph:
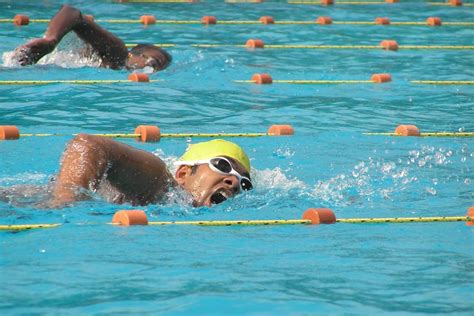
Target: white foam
(72, 52)
(23, 178)
(275, 179)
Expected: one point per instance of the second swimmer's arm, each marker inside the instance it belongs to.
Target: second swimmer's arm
(111, 49)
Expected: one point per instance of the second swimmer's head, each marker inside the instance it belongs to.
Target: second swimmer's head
(147, 55)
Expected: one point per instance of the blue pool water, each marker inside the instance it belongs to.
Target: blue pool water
(85, 266)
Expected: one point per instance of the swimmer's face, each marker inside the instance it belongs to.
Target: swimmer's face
(207, 186)
(140, 62)
(153, 57)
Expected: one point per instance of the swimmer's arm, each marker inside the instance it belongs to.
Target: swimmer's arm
(83, 164)
(110, 48)
(89, 159)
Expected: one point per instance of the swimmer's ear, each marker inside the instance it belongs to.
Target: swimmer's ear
(182, 174)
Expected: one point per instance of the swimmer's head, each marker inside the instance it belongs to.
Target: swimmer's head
(213, 171)
(146, 55)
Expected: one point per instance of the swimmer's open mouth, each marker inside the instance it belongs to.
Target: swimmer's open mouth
(218, 197)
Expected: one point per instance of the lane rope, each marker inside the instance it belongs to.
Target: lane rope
(133, 77)
(311, 216)
(450, 4)
(264, 78)
(149, 133)
(330, 2)
(412, 47)
(163, 135)
(444, 82)
(311, 81)
(22, 20)
(157, 1)
(158, 44)
(28, 226)
(337, 2)
(43, 82)
(413, 130)
(406, 219)
(251, 81)
(428, 134)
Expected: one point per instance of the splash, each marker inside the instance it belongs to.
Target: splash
(72, 52)
(275, 179)
(379, 179)
(23, 178)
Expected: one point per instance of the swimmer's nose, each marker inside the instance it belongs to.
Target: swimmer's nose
(233, 183)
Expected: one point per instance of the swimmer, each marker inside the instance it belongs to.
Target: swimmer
(111, 50)
(210, 171)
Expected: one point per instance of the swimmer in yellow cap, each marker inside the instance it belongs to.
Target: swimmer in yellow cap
(210, 171)
(109, 48)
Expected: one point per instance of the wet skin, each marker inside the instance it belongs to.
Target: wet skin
(136, 176)
(209, 187)
(112, 50)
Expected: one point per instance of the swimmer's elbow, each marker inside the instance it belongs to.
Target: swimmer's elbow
(83, 138)
(70, 9)
(86, 143)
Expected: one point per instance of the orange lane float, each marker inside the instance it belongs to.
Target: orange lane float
(130, 218)
(267, 20)
(151, 133)
(147, 19)
(208, 19)
(407, 130)
(470, 213)
(455, 3)
(382, 21)
(9, 132)
(381, 78)
(148, 133)
(138, 77)
(324, 20)
(254, 43)
(433, 21)
(320, 216)
(281, 130)
(21, 19)
(389, 45)
(262, 78)
(327, 2)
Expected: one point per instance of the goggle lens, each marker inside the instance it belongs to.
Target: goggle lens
(224, 166)
(246, 184)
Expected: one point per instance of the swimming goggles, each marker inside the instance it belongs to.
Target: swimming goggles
(223, 166)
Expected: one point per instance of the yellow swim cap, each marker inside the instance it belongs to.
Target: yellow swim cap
(216, 148)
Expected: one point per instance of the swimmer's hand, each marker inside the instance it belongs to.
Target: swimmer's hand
(33, 51)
